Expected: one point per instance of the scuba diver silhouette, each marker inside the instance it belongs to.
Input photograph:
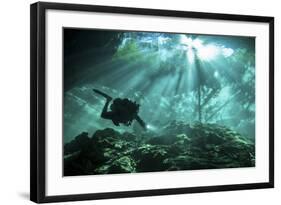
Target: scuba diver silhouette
(121, 110)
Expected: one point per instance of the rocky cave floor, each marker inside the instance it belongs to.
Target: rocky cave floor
(179, 146)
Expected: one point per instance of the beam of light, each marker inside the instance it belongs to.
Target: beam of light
(216, 74)
(164, 54)
(204, 52)
(190, 55)
(151, 127)
(162, 40)
(197, 43)
(226, 52)
(208, 52)
(185, 40)
(190, 43)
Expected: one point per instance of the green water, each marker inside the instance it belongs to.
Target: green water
(176, 78)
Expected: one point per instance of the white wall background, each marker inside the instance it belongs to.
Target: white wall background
(14, 100)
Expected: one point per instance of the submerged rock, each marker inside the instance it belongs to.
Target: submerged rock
(124, 164)
(150, 157)
(77, 144)
(179, 147)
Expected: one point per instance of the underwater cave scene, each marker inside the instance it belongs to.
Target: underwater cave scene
(148, 101)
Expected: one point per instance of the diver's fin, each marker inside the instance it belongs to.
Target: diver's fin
(102, 94)
(141, 122)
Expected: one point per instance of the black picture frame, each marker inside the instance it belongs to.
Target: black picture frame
(38, 101)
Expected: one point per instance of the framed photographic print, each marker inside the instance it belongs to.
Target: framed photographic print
(129, 102)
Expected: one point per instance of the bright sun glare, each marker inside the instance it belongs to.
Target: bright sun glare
(207, 52)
